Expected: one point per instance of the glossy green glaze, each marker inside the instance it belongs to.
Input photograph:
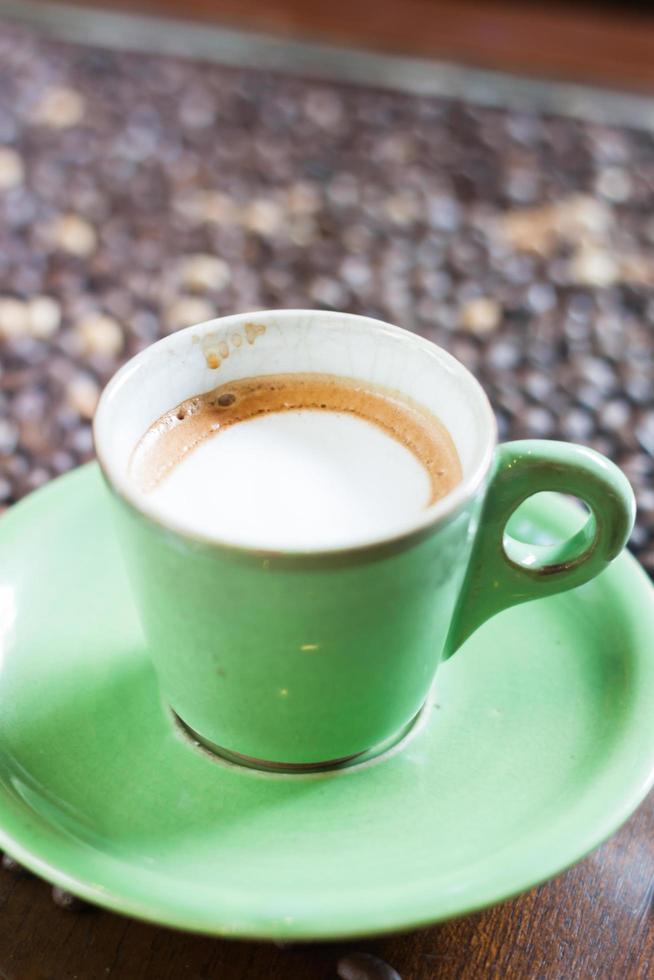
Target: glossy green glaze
(294, 659)
(299, 659)
(537, 744)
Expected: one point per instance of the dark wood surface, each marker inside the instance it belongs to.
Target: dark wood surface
(584, 41)
(594, 922)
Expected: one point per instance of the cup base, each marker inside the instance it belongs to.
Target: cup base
(267, 765)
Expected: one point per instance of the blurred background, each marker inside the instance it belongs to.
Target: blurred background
(479, 172)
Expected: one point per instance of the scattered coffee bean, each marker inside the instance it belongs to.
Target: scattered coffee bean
(364, 966)
(594, 267)
(14, 317)
(481, 315)
(645, 432)
(577, 425)
(597, 373)
(541, 297)
(44, 314)
(69, 902)
(73, 234)
(503, 355)
(264, 217)
(11, 168)
(82, 393)
(645, 500)
(537, 385)
(615, 415)
(82, 442)
(12, 866)
(538, 421)
(614, 184)
(640, 390)
(638, 467)
(186, 311)
(590, 397)
(203, 273)
(8, 437)
(59, 108)
(99, 334)
(639, 536)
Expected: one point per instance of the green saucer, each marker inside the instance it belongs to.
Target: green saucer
(538, 744)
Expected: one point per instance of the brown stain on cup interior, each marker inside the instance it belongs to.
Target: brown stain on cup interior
(179, 431)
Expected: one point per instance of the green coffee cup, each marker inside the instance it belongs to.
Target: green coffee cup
(301, 659)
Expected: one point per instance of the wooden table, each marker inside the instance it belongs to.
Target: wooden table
(602, 42)
(595, 922)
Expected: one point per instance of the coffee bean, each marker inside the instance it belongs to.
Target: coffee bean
(615, 415)
(29, 404)
(594, 267)
(638, 466)
(8, 437)
(503, 425)
(14, 316)
(645, 433)
(203, 273)
(12, 866)
(186, 311)
(59, 108)
(503, 355)
(44, 315)
(541, 297)
(597, 372)
(73, 234)
(69, 902)
(639, 390)
(16, 467)
(12, 170)
(601, 445)
(82, 393)
(589, 396)
(60, 461)
(639, 536)
(541, 354)
(538, 421)
(81, 441)
(327, 292)
(537, 385)
(35, 437)
(99, 334)
(647, 559)
(365, 966)
(580, 307)
(36, 478)
(614, 183)
(466, 351)
(577, 425)
(481, 315)
(645, 501)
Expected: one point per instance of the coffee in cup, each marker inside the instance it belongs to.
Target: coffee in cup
(283, 460)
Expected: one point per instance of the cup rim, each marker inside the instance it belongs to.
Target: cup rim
(436, 514)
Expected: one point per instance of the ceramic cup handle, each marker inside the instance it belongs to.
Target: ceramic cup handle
(502, 571)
